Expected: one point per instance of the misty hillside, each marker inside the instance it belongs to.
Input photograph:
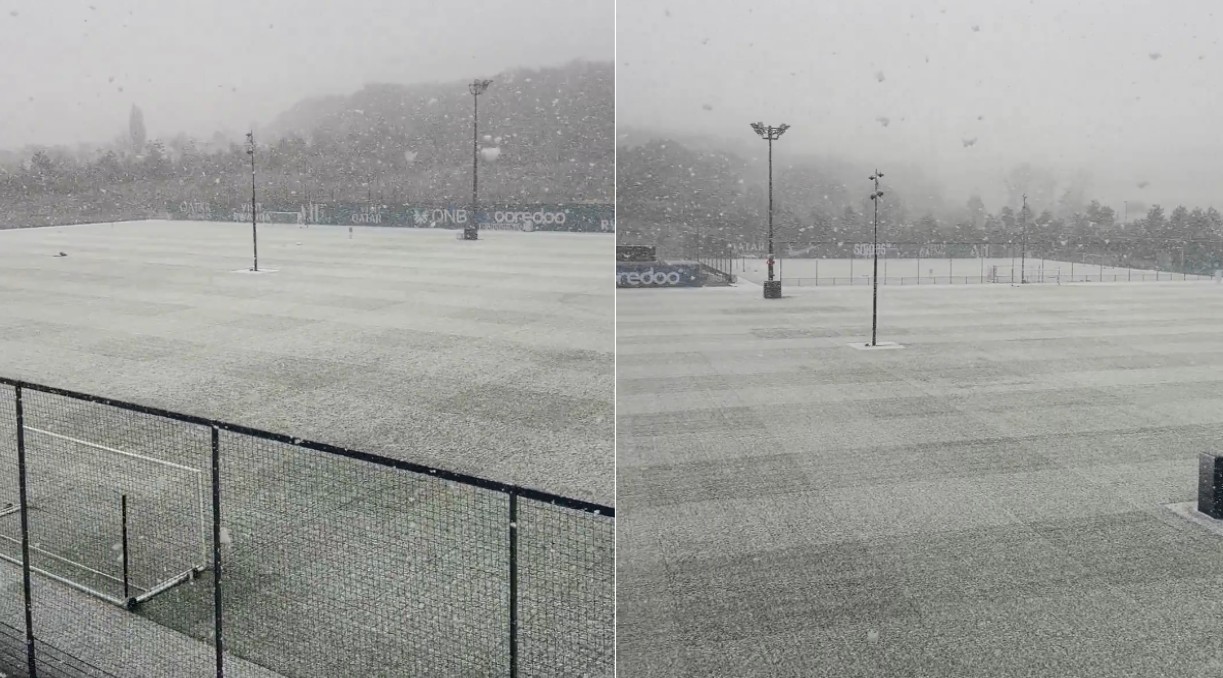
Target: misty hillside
(700, 174)
(696, 183)
(547, 137)
(666, 188)
(305, 115)
(551, 125)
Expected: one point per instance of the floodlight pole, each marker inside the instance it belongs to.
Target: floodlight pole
(1023, 242)
(875, 196)
(250, 150)
(476, 87)
(772, 289)
(770, 208)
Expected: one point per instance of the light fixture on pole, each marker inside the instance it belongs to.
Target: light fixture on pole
(772, 288)
(472, 230)
(875, 196)
(250, 150)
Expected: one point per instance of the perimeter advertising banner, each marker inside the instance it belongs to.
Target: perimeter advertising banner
(657, 274)
(569, 218)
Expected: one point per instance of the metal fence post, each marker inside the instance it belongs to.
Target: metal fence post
(127, 596)
(513, 585)
(31, 659)
(216, 550)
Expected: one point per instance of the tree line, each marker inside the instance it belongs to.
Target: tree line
(547, 135)
(664, 188)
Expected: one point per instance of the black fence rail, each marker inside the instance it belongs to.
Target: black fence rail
(144, 542)
(715, 255)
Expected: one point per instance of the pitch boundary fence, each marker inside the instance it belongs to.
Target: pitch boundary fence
(865, 280)
(526, 576)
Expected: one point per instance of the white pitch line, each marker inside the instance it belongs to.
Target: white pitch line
(104, 448)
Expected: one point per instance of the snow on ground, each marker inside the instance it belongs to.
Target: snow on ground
(985, 502)
(806, 272)
(142, 648)
(493, 357)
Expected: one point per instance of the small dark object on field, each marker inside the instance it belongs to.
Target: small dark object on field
(62, 254)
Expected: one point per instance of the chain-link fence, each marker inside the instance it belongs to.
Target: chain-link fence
(140, 542)
(802, 264)
(715, 255)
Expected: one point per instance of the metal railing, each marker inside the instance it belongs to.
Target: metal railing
(151, 543)
(1128, 276)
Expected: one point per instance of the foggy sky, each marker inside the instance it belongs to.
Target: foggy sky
(1129, 91)
(196, 67)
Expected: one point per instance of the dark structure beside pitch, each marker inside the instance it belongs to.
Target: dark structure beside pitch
(635, 253)
(1210, 484)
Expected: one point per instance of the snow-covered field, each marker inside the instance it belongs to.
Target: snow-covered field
(493, 357)
(987, 501)
(808, 272)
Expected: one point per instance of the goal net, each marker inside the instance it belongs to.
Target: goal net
(115, 523)
(282, 217)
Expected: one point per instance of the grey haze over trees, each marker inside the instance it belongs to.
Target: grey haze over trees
(547, 137)
(146, 104)
(664, 188)
(73, 68)
(962, 92)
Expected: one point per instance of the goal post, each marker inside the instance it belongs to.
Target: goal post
(113, 523)
(282, 217)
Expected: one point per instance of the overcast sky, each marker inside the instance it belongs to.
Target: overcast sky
(1131, 91)
(72, 69)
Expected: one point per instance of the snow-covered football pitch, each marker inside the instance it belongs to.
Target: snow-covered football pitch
(990, 500)
(491, 358)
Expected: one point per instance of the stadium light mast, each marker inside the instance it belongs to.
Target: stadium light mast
(477, 87)
(250, 150)
(875, 196)
(1023, 242)
(772, 288)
